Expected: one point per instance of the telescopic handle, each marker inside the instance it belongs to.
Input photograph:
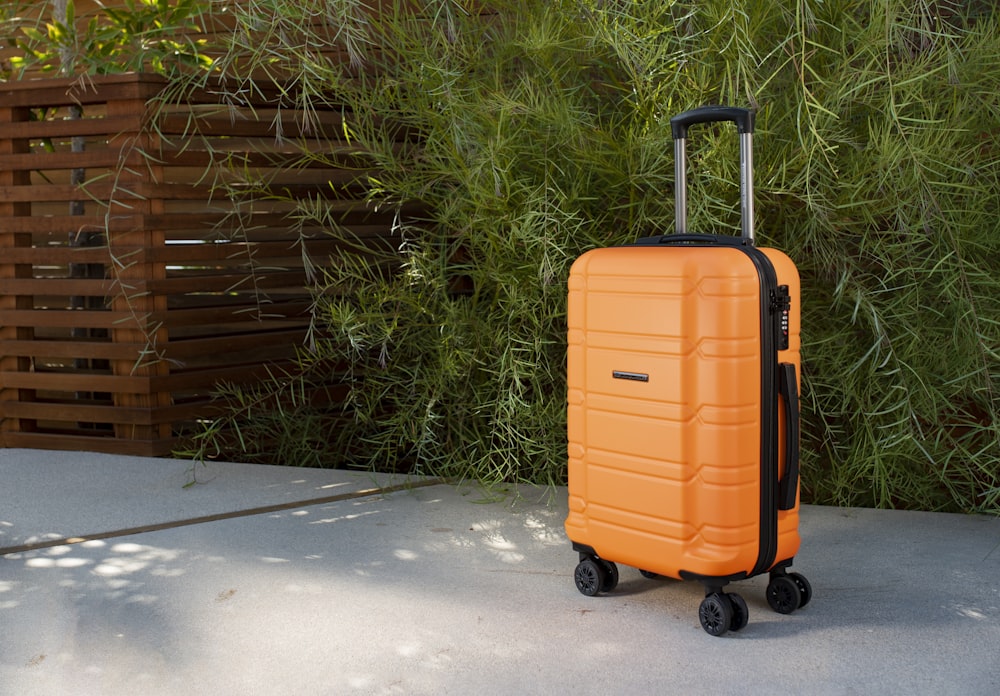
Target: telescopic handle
(744, 120)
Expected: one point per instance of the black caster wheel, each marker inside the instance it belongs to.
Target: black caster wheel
(589, 577)
(741, 615)
(715, 614)
(610, 579)
(805, 589)
(783, 594)
(648, 574)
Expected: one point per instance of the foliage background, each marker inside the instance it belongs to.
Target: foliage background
(160, 36)
(539, 129)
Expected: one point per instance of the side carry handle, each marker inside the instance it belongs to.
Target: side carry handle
(789, 389)
(744, 120)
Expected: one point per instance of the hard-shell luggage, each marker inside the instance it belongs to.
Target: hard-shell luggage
(683, 410)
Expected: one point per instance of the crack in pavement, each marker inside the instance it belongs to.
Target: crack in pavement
(365, 493)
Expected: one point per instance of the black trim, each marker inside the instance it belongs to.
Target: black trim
(768, 547)
(783, 565)
(712, 579)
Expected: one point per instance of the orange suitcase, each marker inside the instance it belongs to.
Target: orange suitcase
(683, 415)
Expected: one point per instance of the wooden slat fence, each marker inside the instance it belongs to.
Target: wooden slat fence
(131, 281)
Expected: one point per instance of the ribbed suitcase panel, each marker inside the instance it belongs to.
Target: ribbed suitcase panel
(664, 408)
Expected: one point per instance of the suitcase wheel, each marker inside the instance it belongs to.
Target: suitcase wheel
(783, 594)
(741, 615)
(805, 589)
(610, 575)
(721, 612)
(715, 614)
(594, 575)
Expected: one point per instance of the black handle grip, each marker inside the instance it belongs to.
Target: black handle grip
(744, 119)
(789, 390)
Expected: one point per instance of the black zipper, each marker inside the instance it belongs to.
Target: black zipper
(769, 304)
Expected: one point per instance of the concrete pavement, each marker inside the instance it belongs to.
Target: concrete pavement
(115, 578)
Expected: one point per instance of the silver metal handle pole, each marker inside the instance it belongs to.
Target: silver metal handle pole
(746, 185)
(680, 184)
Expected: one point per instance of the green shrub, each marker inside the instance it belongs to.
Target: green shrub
(160, 36)
(542, 131)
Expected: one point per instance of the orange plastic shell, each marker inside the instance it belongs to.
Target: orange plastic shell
(664, 407)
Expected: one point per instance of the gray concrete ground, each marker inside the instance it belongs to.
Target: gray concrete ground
(331, 587)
